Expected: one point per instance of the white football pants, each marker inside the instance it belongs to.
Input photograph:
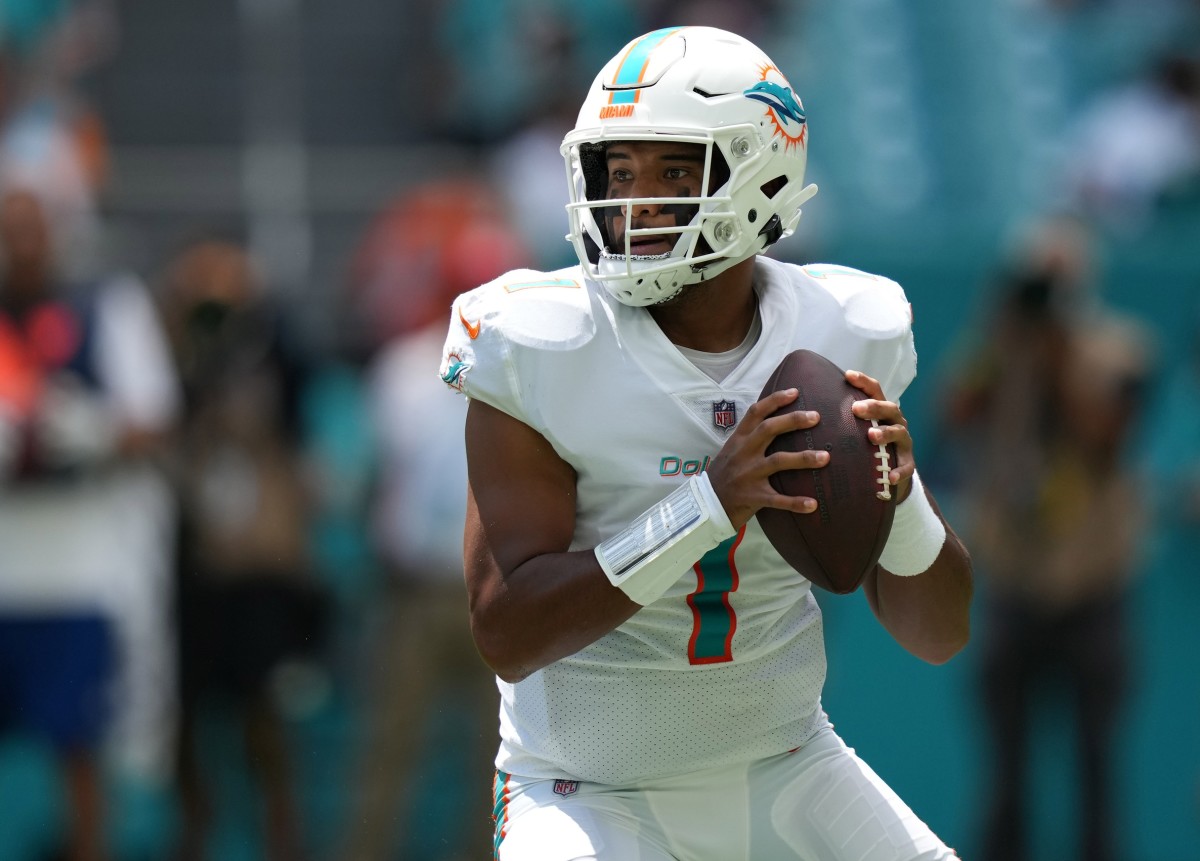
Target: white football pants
(818, 803)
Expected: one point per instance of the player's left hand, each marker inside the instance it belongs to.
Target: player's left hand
(893, 429)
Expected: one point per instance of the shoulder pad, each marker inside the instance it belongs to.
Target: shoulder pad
(498, 331)
(874, 306)
(543, 310)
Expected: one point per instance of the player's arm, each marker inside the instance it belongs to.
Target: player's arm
(926, 611)
(532, 600)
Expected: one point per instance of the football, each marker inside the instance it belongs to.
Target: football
(835, 546)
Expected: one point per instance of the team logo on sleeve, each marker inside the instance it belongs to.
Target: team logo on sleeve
(724, 414)
(566, 787)
(454, 370)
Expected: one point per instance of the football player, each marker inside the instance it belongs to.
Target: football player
(660, 665)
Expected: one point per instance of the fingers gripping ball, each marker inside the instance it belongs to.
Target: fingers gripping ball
(835, 546)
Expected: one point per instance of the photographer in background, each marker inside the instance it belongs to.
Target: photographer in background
(251, 610)
(1040, 413)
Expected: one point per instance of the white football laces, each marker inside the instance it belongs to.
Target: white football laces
(884, 469)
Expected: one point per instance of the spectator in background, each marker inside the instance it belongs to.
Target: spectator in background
(1042, 411)
(1137, 144)
(87, 395)
(249, 608)
(430, 244)
(525, 169)
(441, 232)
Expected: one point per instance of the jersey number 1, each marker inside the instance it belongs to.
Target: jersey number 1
(713, 618)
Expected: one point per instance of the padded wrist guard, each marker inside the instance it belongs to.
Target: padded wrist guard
(645, 558)
(917, 535)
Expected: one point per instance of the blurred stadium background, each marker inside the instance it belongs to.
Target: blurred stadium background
(940, 130)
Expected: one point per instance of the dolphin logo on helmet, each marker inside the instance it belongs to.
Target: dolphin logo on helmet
(778, 98)
(783, 108)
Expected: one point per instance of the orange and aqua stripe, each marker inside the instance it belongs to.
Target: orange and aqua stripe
(633, 65)
(545, 282)
(714, 621)
(499, 809)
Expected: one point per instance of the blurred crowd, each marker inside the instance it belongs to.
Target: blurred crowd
(220, 540)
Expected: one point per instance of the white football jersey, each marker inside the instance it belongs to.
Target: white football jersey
(729, 664)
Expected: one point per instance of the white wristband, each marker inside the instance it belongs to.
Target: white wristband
(645, 558)
(917, 535)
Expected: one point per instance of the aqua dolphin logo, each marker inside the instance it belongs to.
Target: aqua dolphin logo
(779, 99)
(454, 370)
(783, 108)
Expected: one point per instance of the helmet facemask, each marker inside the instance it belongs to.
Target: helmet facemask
(705, 226)
(697, 86)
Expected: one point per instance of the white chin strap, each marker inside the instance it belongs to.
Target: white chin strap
(628, 280)
(635, 258)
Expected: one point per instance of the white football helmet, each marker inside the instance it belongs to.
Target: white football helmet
(696, 85)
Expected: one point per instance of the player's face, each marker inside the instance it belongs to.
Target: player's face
(648, 169)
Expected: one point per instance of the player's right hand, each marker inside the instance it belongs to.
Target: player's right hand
(740, 473)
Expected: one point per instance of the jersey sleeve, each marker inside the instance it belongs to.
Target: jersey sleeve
(501, 334)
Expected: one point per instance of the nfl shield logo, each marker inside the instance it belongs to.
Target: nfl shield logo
(724, 414)
(565, 787)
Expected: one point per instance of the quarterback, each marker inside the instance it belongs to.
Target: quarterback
(660, 665)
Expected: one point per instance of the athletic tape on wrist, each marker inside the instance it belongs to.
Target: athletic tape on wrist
(917, 535)
(645, 558)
